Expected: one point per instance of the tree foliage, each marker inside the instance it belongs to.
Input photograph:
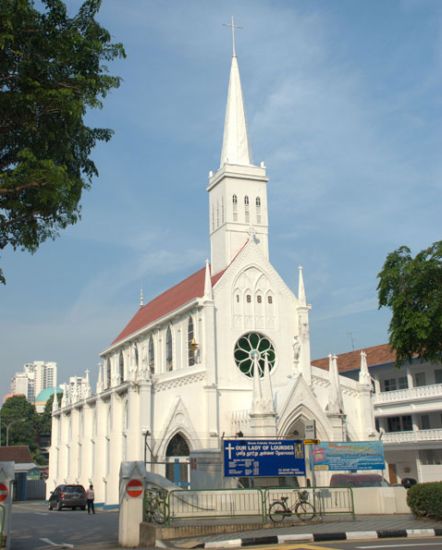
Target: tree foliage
(52, 70)
(412, 288)
(22, 419)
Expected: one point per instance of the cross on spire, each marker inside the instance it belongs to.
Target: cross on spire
(233, 27)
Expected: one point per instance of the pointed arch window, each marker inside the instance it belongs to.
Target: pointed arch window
(235, 208)
(151, 356)
(108, 373)
(136, 355)
(191, 344)
(246, 200)
(169, 351)
(246, 209)
(121, 367)
(258, 209)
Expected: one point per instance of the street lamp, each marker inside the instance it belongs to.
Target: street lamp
(9, 425)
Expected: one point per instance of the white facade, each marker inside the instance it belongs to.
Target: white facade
(225, 351)
(36, 376)
(407, 404)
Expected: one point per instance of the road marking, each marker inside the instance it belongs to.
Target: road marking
(61, 544)
(402, 545)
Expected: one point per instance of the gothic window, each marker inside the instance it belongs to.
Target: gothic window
(248, 298)
(235, 208)
(177, 446)
(246, 200)
(246, 207)
(252, 347)
(169, 353)
(108, 373)
(136, 357)
(151, 356)
(258, 210)
(235, 199)
(191, 344)
(237, 298)
(270, 299)
(121, 367)
(259, 298)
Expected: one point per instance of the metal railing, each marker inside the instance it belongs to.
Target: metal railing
(242, 503)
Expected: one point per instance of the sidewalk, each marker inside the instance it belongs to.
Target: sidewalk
(387, 524)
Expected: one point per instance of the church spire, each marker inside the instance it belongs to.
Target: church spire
(301, 288)
(235, 142)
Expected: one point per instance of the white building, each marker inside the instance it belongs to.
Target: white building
(34, 378)
(226, 350)
(407, 405)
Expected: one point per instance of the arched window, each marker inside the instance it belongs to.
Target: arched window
(108, 373)
(258, 210)
(235, 199)
(136, 356)
(151, 356)
(169, 352)
(177, 446)
(121, 367)
(235, 208)
(246, 207)
(258, 201)
(191, 344)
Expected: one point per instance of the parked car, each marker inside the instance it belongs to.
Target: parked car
(358, 480)
(68, 496)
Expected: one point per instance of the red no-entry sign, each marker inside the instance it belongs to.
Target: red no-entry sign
(3, 492)
(134, 488)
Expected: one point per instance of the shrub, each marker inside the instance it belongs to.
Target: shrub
(425, 499)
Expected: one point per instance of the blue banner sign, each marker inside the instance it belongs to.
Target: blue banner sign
(348, 455)
(263, 457)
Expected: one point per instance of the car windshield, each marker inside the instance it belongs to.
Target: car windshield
(73, 489)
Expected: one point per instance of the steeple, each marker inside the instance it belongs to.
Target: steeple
(238, 189)
(301, 288)
(236, 148)
(208, 292)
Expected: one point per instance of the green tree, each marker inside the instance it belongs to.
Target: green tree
(52, 70)
(22, 419)
(412, 288)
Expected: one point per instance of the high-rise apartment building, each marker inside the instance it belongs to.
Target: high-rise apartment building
(34, 378)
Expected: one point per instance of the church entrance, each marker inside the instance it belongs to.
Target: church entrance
(177, 461)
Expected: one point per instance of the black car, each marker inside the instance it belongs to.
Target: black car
(68, 496)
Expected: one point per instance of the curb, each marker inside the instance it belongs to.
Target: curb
(322, 537)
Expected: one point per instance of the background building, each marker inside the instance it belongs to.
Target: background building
(407, 404)
(35, 377)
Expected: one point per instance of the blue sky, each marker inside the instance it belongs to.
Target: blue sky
(344, 105)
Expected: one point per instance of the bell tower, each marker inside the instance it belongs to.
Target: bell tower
(238, 189)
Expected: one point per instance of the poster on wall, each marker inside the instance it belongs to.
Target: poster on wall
(263, 457)
(348, 455)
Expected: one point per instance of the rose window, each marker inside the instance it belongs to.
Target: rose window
(252, 346)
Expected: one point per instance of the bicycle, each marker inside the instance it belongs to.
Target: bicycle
(155, 508)
(303, 509)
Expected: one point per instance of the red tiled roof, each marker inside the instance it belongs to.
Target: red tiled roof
(171, 299)
(376, 355)
(17, 453)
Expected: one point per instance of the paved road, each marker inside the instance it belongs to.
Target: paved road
(35, 528)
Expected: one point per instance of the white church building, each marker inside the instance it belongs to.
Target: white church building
(224, 352)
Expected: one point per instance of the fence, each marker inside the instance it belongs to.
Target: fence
(241, 503)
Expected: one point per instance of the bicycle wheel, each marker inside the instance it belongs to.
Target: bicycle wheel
(278, 512)
(305, 511)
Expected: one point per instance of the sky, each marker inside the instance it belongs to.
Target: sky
(344, 106)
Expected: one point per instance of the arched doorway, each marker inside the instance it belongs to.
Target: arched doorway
(177, 461)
